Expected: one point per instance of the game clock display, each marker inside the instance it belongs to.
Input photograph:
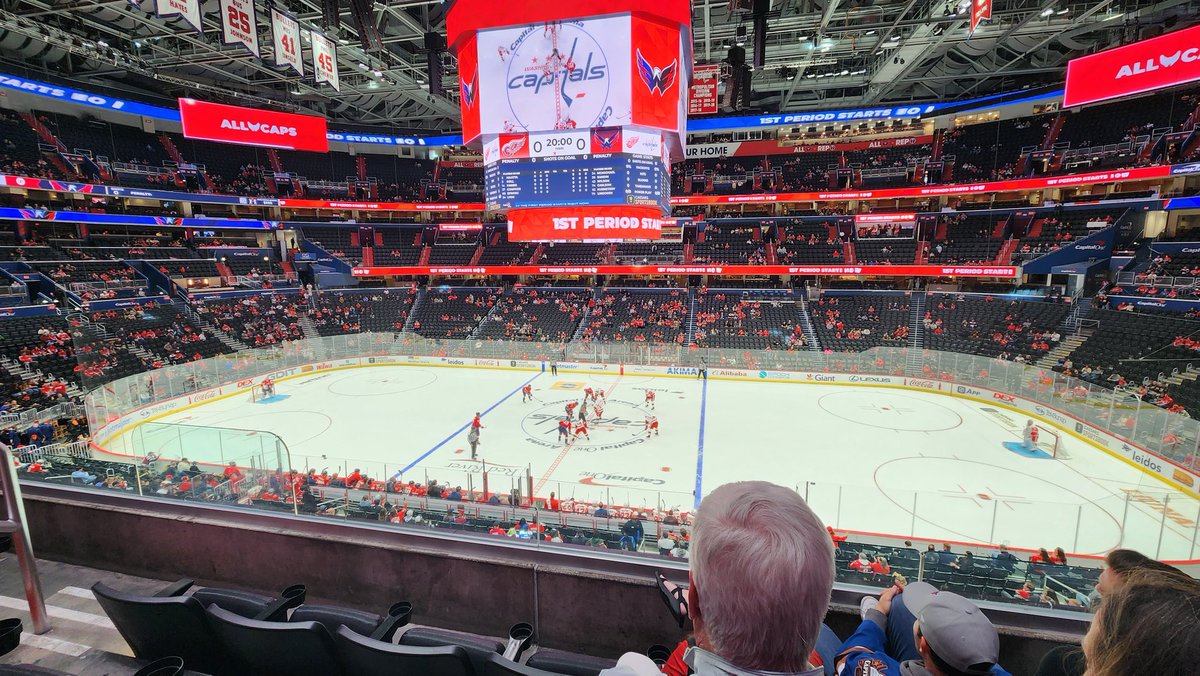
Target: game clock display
(571, 181)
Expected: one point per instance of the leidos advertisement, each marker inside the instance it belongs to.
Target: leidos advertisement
(251, 126)
(1164, 61)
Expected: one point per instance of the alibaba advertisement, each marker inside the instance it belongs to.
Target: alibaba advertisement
(252, 127)
(605, 223)
(1164, 61)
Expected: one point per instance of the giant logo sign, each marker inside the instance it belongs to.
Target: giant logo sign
(1164, 61)
(572, 75)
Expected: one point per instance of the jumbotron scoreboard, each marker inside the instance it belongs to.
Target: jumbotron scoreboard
(561, 170)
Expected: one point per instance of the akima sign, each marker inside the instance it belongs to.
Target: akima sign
(252, 127)
(1164, 61)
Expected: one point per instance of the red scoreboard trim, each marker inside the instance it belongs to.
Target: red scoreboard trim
(1164, 61)
(252, 127)
(586, 223)
(1005, 271)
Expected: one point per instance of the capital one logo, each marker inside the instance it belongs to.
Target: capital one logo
(558, 79)
(1163, 62)
(656, 79)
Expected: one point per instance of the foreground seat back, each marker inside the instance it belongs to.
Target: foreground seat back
(274, 648)
(364, 656)
(497, 665)
(157, 627)
(332, 617)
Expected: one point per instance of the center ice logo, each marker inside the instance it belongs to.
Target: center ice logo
(622, 425)
(558, 79)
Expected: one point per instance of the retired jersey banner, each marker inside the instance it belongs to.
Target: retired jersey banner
(285, 32)
(252, 126)
(980, 10)
(239, 25)
(1164, 61)
(585, 223)
(188, 10)
(325, 60)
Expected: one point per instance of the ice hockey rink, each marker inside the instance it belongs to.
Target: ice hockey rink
(869, 459)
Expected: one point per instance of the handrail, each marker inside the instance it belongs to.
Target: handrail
(15, 524)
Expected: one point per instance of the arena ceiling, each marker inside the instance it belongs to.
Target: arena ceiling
(819, 53)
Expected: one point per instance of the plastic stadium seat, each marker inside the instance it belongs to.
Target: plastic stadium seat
(496, 665)
(478, 647)
(365, 656)
(10, 635)
(332, 617)
(574, 664)
(157, 627)
(269, 648)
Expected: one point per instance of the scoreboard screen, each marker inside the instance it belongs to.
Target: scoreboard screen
(576, 181)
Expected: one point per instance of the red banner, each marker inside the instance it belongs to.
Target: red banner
(980, 10)
(585, 223)
(885, 218)
(1138, 174)
(702, 95)
(771, 147)
(383, 206)
(717, 270)
(252, 127)
(1164, 61)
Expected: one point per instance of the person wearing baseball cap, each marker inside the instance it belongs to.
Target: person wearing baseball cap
(951, 635)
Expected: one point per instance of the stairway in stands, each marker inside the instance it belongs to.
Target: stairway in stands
(416, 306)
(916, 333)
(690, 333)
(814, 344)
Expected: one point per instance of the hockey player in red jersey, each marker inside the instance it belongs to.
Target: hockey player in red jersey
(651, 425)
(649, 398)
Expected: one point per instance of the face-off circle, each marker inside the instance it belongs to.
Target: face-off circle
(622, 426)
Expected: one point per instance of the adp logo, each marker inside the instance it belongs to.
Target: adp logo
(558, 79)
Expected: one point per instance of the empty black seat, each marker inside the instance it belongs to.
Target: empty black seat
(157, 627)
(267, 648)
(478, 647)
(361, 655)
(332, 617)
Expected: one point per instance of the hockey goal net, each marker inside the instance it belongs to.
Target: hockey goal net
(257, 394)
(1048, 441)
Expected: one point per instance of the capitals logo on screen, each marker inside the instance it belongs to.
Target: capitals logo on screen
(606, 140)
(469, 89)
(657, 80)
(558, 78)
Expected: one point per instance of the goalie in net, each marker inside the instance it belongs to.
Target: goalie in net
(263, 390)
(1038, 437)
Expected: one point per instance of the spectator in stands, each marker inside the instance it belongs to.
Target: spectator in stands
(1148, 626)
(761, 575)
(1121, 563)
(1005, 558)
(930, 633)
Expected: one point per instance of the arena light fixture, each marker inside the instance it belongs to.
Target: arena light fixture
(1048, 11)
(740, 38)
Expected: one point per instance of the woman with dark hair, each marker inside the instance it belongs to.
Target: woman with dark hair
(1120, 567)
(1150, 625)
(1042, 556)
(1119, 563)
(1059, 557)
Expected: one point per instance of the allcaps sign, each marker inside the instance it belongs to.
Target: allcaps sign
(1164, 61)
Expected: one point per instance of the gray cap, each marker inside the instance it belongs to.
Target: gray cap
(956, 630)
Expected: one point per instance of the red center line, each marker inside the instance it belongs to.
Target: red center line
(545, 478)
